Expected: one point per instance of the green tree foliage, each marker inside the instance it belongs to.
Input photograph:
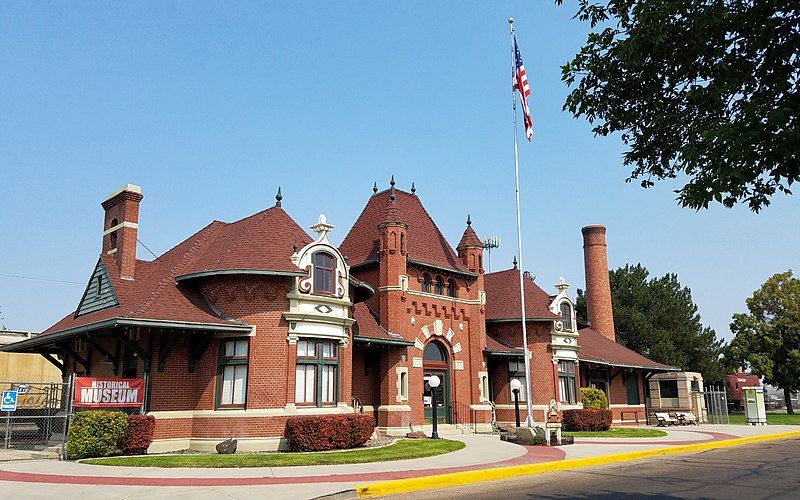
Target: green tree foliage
(701, 90)
(767, 338)
(657, 318)
(593, 398)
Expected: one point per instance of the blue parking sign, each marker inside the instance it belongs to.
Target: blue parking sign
(9, 401)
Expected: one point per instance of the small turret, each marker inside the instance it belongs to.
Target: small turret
(470, 249)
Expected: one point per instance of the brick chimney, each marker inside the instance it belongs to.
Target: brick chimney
(598, 287)
(120, 227)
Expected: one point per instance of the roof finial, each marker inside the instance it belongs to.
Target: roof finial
(391, 182)
(469, 220)
(375, 187)
(392, 196)
(515, 262)
(278, 197)
(413, 188)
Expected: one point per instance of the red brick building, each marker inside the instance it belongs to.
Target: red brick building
(245, 324)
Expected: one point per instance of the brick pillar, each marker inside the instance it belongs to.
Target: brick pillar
(598, 287)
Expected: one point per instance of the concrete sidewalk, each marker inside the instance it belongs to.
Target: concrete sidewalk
(52, 479)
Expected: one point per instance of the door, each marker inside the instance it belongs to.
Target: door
(435, 362)
(443, 407)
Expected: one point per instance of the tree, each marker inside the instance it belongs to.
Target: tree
(657, 318)
(701, 90)
(767, 338)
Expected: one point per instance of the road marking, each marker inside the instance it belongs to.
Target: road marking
(461, 478)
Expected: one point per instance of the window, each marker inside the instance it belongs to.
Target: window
(438, 288)
(516, 370)
(324, 265)
(402, 384)
(566, 316)
(566, 382)
(232, 373)
(668, 388)
(451, 287)
(426, 282)
(316, 375)
(434, 352)
(632, 388)
(112, 237)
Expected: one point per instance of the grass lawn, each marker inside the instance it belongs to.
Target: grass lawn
(618, 432)
(401, 450)
(772, 418)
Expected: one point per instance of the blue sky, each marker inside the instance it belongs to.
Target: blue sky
(211, 107)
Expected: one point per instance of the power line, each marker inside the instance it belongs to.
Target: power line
(41, 279)
(145, 247)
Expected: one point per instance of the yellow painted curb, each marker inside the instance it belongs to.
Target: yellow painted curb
(474, 476)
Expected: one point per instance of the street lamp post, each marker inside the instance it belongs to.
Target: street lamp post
(515, 386)
(434, 383)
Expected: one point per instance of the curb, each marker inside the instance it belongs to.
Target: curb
(483, 475)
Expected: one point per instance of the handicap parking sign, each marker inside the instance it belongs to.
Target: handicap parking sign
(9, 401)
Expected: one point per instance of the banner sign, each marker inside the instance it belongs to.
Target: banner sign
(96, 392)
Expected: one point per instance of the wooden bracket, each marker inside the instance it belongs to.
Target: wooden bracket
(197, 348)
(102, 350)
(54, 361)
(165, 346)
(80, 359)
(139, 350)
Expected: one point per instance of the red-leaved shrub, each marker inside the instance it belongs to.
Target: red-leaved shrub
(138, 435)
(328, 432)
(587, 419)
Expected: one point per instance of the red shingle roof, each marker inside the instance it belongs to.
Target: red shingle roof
(260, 242)
(368, 326)
(596, 347)
(469, 239)
(496, 345)
(502, 297)
(425, 242)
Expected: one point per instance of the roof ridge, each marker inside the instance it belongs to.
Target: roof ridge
(207, 232)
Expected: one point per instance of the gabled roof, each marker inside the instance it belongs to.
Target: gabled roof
(502, 297)
(369, 330)
(597, 348)
(259, 243)
(425, 243)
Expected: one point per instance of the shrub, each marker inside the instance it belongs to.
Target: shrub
(139, 434)
(593, 398)
(95, 433)
(588, 419)
(328, 432)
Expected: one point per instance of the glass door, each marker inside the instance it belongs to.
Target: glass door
(442, 401)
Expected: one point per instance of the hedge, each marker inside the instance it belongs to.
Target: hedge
(139, 434)
(593, 398)
(587, 419)
(328, 432)
(95, 433)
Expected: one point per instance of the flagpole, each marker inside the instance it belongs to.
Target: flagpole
(528, 395)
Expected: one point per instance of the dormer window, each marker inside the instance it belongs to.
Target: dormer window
(426, 282)
(324, 265)
(566, 316)
(438, 288)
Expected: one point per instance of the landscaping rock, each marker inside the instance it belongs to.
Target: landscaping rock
(227, 447)
(531, 435)
(416, 435)
(508, 437)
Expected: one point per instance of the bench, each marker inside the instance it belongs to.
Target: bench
(686, 418)
(664, 419)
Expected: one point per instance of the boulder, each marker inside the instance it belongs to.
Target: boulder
(531, 435)
(227, 447)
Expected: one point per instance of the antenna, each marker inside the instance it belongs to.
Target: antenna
(488, 244)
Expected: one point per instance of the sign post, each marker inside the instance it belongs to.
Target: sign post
(8, 403)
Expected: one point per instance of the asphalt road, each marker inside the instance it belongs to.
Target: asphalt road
(765, 470)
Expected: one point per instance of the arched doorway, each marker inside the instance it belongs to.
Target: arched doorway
(435, 362)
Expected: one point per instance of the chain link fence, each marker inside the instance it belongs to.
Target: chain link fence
(38, 426)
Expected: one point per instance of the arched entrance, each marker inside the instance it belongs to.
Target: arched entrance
(435, 362)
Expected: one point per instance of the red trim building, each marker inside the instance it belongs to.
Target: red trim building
(246, 324)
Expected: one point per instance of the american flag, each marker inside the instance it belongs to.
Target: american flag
(521, 84)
